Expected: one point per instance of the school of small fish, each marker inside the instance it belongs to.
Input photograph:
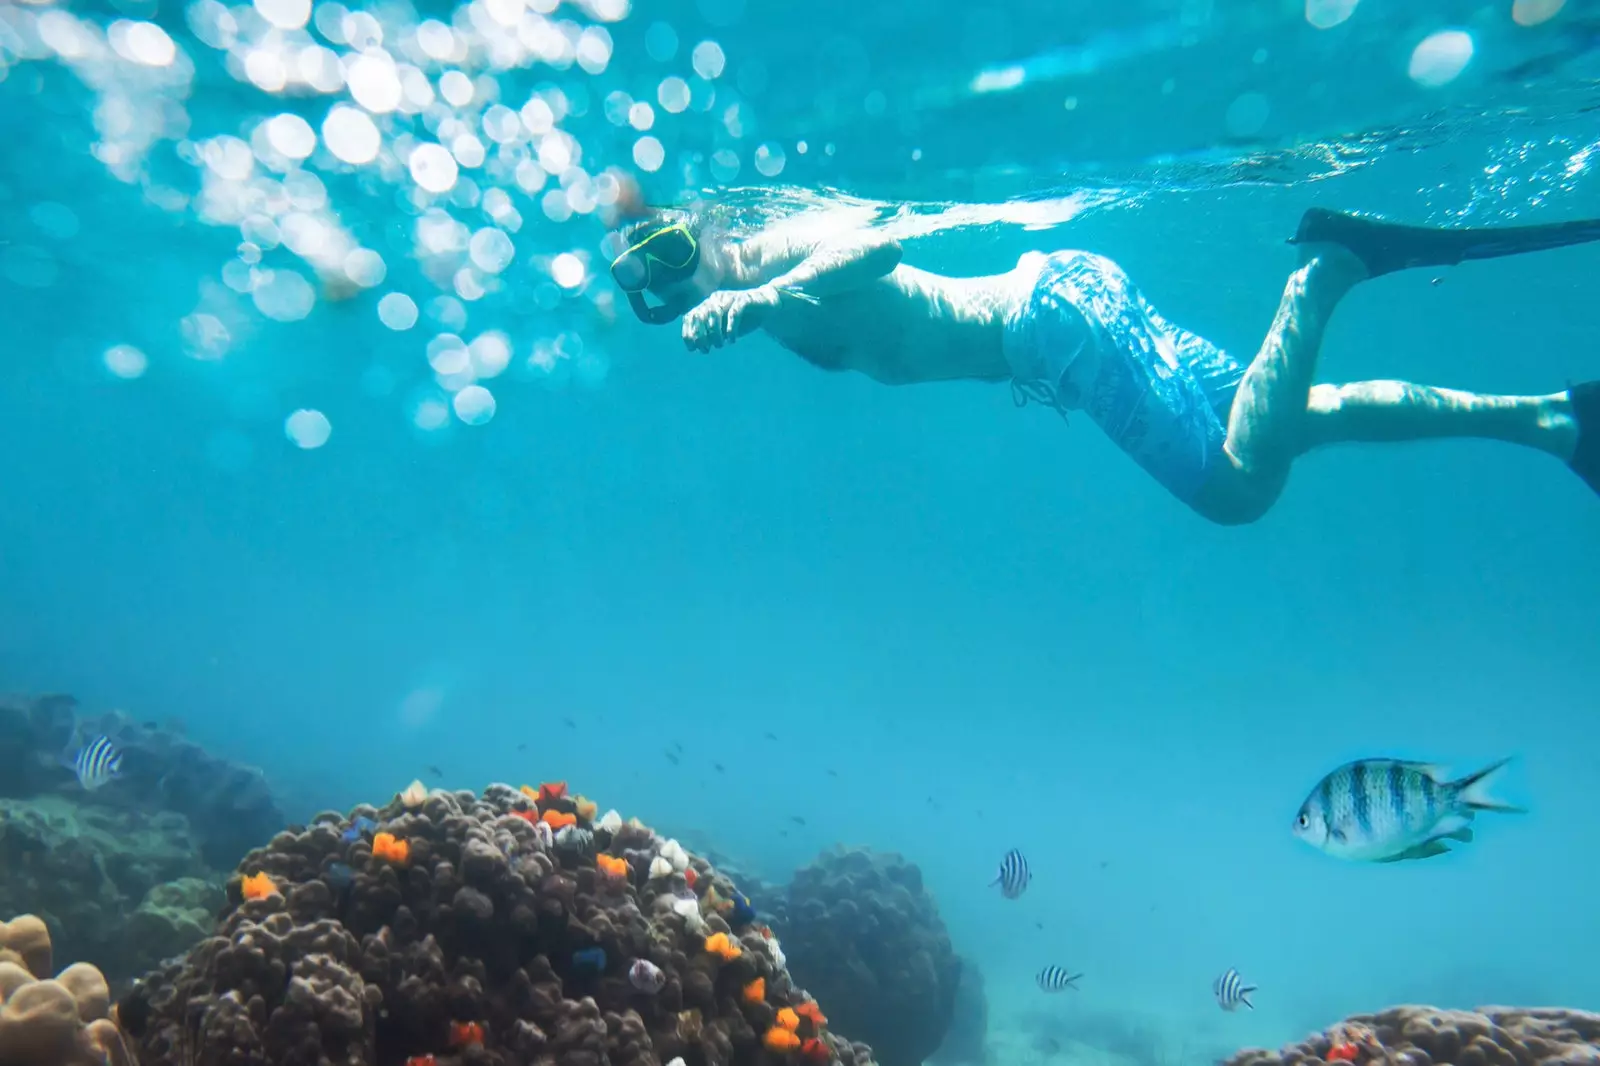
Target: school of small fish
(1369, 810)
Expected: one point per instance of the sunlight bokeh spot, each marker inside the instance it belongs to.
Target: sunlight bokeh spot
(1533, 12)
(769, 159)
(447, 354)
(491, 354)
(285, 14)
(567, 270)
(308, 428)
(661, 41)
(142, 42)
(433, 167)
(725, 164)
(365, 267)
(708, 60)
(1440, 58)
(351, 135)
(125, 361)
(648, 154)
(491, 250)
(291, 135)
(397, 311)
(283, 295)
(673, 94)
(1247, 115)
(431, 414)
(474, 405)
(1326, 14)
(374, 83)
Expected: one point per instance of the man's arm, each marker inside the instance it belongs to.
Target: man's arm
(816, 269)
(771, 267)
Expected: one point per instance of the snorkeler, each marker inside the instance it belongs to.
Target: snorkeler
(1070, 330)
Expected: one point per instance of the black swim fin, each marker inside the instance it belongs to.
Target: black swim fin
(1585, 399)
(1386, 247)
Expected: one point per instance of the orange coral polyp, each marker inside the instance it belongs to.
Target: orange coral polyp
(258, 886)
(612, 866)
(388, 846)
(721, 945)
(559, 819)
(464, 1033)
(816, 1050)
(756, 991)
(780, 1039)
(789, 1019)
(809, 1009)
(529, 791)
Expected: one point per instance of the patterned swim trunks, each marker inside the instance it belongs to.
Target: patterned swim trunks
(1086, 339)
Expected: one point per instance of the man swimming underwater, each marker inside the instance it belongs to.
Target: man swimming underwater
(1070, 330)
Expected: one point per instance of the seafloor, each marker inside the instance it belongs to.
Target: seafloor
(519, 925)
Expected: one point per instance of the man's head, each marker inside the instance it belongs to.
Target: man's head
(661, 256)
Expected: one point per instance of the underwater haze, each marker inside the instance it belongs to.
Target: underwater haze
(323, 428)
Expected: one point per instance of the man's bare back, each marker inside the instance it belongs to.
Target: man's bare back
(902, 327)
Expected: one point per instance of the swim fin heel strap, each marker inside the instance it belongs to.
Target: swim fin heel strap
(1585, 462)
(1386, 247)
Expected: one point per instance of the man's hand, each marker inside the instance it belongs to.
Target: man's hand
(726, 315)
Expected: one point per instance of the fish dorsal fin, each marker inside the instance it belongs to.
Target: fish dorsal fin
(1437, 771)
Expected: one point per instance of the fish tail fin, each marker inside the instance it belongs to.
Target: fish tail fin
(1472, 791)
(1244, 996)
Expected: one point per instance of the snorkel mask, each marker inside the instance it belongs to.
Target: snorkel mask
(661, 257)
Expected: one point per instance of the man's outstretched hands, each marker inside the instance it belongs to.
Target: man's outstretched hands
(727, 315)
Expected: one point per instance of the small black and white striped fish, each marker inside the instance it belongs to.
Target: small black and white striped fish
(1013, 876)
(1231, 991)
(1056, 978)
(96, 763)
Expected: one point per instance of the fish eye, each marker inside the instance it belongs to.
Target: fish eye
(1304, 820)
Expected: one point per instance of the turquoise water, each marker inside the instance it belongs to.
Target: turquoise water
(991, 627)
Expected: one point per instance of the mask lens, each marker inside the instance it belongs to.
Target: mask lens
(632, 272)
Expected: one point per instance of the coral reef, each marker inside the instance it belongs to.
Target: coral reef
(86, 870)
(483, 930)
(118, 873)
(45, 1021)
(969, 1022)
(1428, 1036)
(863, 933)
(229, 807)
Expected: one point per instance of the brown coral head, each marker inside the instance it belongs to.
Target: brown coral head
(27, 938)
(690, 1025)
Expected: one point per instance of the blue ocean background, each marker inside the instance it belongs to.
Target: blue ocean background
(968, 627)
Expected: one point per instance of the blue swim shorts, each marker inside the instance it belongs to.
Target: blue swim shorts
(1086, 339)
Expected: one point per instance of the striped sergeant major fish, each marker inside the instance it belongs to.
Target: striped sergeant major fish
(1057, 978)
(1389, 810)
(1231, 991)
(96, 763)
(1013, 876)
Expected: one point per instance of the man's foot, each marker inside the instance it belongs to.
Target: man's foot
(1585, 462)
(1385, 247)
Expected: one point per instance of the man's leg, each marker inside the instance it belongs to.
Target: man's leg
(1400, 411)
(1268, 420)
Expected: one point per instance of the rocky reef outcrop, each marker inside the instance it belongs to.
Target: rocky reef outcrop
(863, 932)
(1428, 1036)
(502, 928)
(129, 873)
